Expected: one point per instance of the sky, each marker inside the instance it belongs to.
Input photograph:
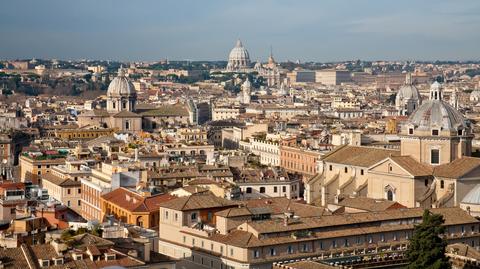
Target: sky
(316, 30)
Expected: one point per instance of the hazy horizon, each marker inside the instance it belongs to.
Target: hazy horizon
(320, 31)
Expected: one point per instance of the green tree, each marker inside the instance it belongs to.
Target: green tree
(427, 248)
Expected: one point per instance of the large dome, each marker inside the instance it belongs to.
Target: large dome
(435, 113)
(238, 57)
(121, 86)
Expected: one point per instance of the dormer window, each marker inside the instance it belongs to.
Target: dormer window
(44, 263)
(435, 132)
(110, 256)
(58, 261)
(77, 256)
(410, 131)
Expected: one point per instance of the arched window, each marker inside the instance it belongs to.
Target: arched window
(390, 195)
(114, 104)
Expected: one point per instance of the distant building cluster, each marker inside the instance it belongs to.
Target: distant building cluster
(236, 163)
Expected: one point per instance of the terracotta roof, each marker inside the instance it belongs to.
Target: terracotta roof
(134, 202)
(126, 114)
(358, 156)
(413, 166)
(304, 265)
(457, 168)
(166, 110)
(198, 201)
(280, 205)
(63, 182)
(369, 204)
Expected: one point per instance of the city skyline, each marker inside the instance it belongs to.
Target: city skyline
(190, 30)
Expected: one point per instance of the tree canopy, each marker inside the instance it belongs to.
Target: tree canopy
(427, 247)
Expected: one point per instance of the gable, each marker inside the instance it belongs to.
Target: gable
(388, 166)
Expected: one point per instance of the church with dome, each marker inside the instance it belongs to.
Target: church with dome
(121, 107)
(238, 59)
(433, 167)
(124, 115)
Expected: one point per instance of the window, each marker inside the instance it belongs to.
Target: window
(68, 191)
(435, 132)
(346, 243)
(435, 156)
(79, 203)
(389, 195)
(12, 210)
(304, 247)
(184, 239)
(193, 216)
(382, 238)
(221, 249)
(290, 249)
(361, 172)
(166, 214)
(426, 182)
(442, 184)
(127, 125)
(275, 189)
(410, 131)
(176, 216)
(249, 190)
(284, 189)
(459, 132)
(321, 244)
(273, 252)
(330, 167)
(256, 254)
(68, 203)
(334, 243)
(193, 241)
(346, 169)
(209, 216)
(79, 191)
(231, 252)
(262, 189)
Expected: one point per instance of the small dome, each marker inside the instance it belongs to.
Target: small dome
(121, 86)
(435, 113)
(473, 197)
(408, 92)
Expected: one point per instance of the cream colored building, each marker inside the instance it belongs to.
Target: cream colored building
(269, 151)
(432, 168)
(206, 232)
